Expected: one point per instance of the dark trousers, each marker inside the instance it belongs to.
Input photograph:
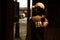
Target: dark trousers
(38, 34)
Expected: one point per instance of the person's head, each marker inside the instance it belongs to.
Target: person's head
(38, 9)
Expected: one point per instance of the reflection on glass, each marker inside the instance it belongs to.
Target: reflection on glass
(23, 24)
(22, 20)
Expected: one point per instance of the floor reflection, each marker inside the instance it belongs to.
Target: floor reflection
(22, 28)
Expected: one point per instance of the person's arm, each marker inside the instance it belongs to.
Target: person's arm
(45, 23)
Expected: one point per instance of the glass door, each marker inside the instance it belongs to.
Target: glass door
(20, 29)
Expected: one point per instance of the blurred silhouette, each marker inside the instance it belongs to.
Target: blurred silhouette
(37, 23)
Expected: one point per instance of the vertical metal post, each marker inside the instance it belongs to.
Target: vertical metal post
(28, 15)
(28, 9)
(16, 18)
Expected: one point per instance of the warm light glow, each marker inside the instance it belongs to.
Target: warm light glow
(40, 4)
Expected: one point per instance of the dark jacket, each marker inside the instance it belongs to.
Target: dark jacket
(34, 33)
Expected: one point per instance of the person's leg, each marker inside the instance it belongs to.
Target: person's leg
(42, 33)
(39, 33)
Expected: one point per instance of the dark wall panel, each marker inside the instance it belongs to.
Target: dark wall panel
(52, 32)
(9, 20)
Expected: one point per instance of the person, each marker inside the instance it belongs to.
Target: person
(38, 22)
